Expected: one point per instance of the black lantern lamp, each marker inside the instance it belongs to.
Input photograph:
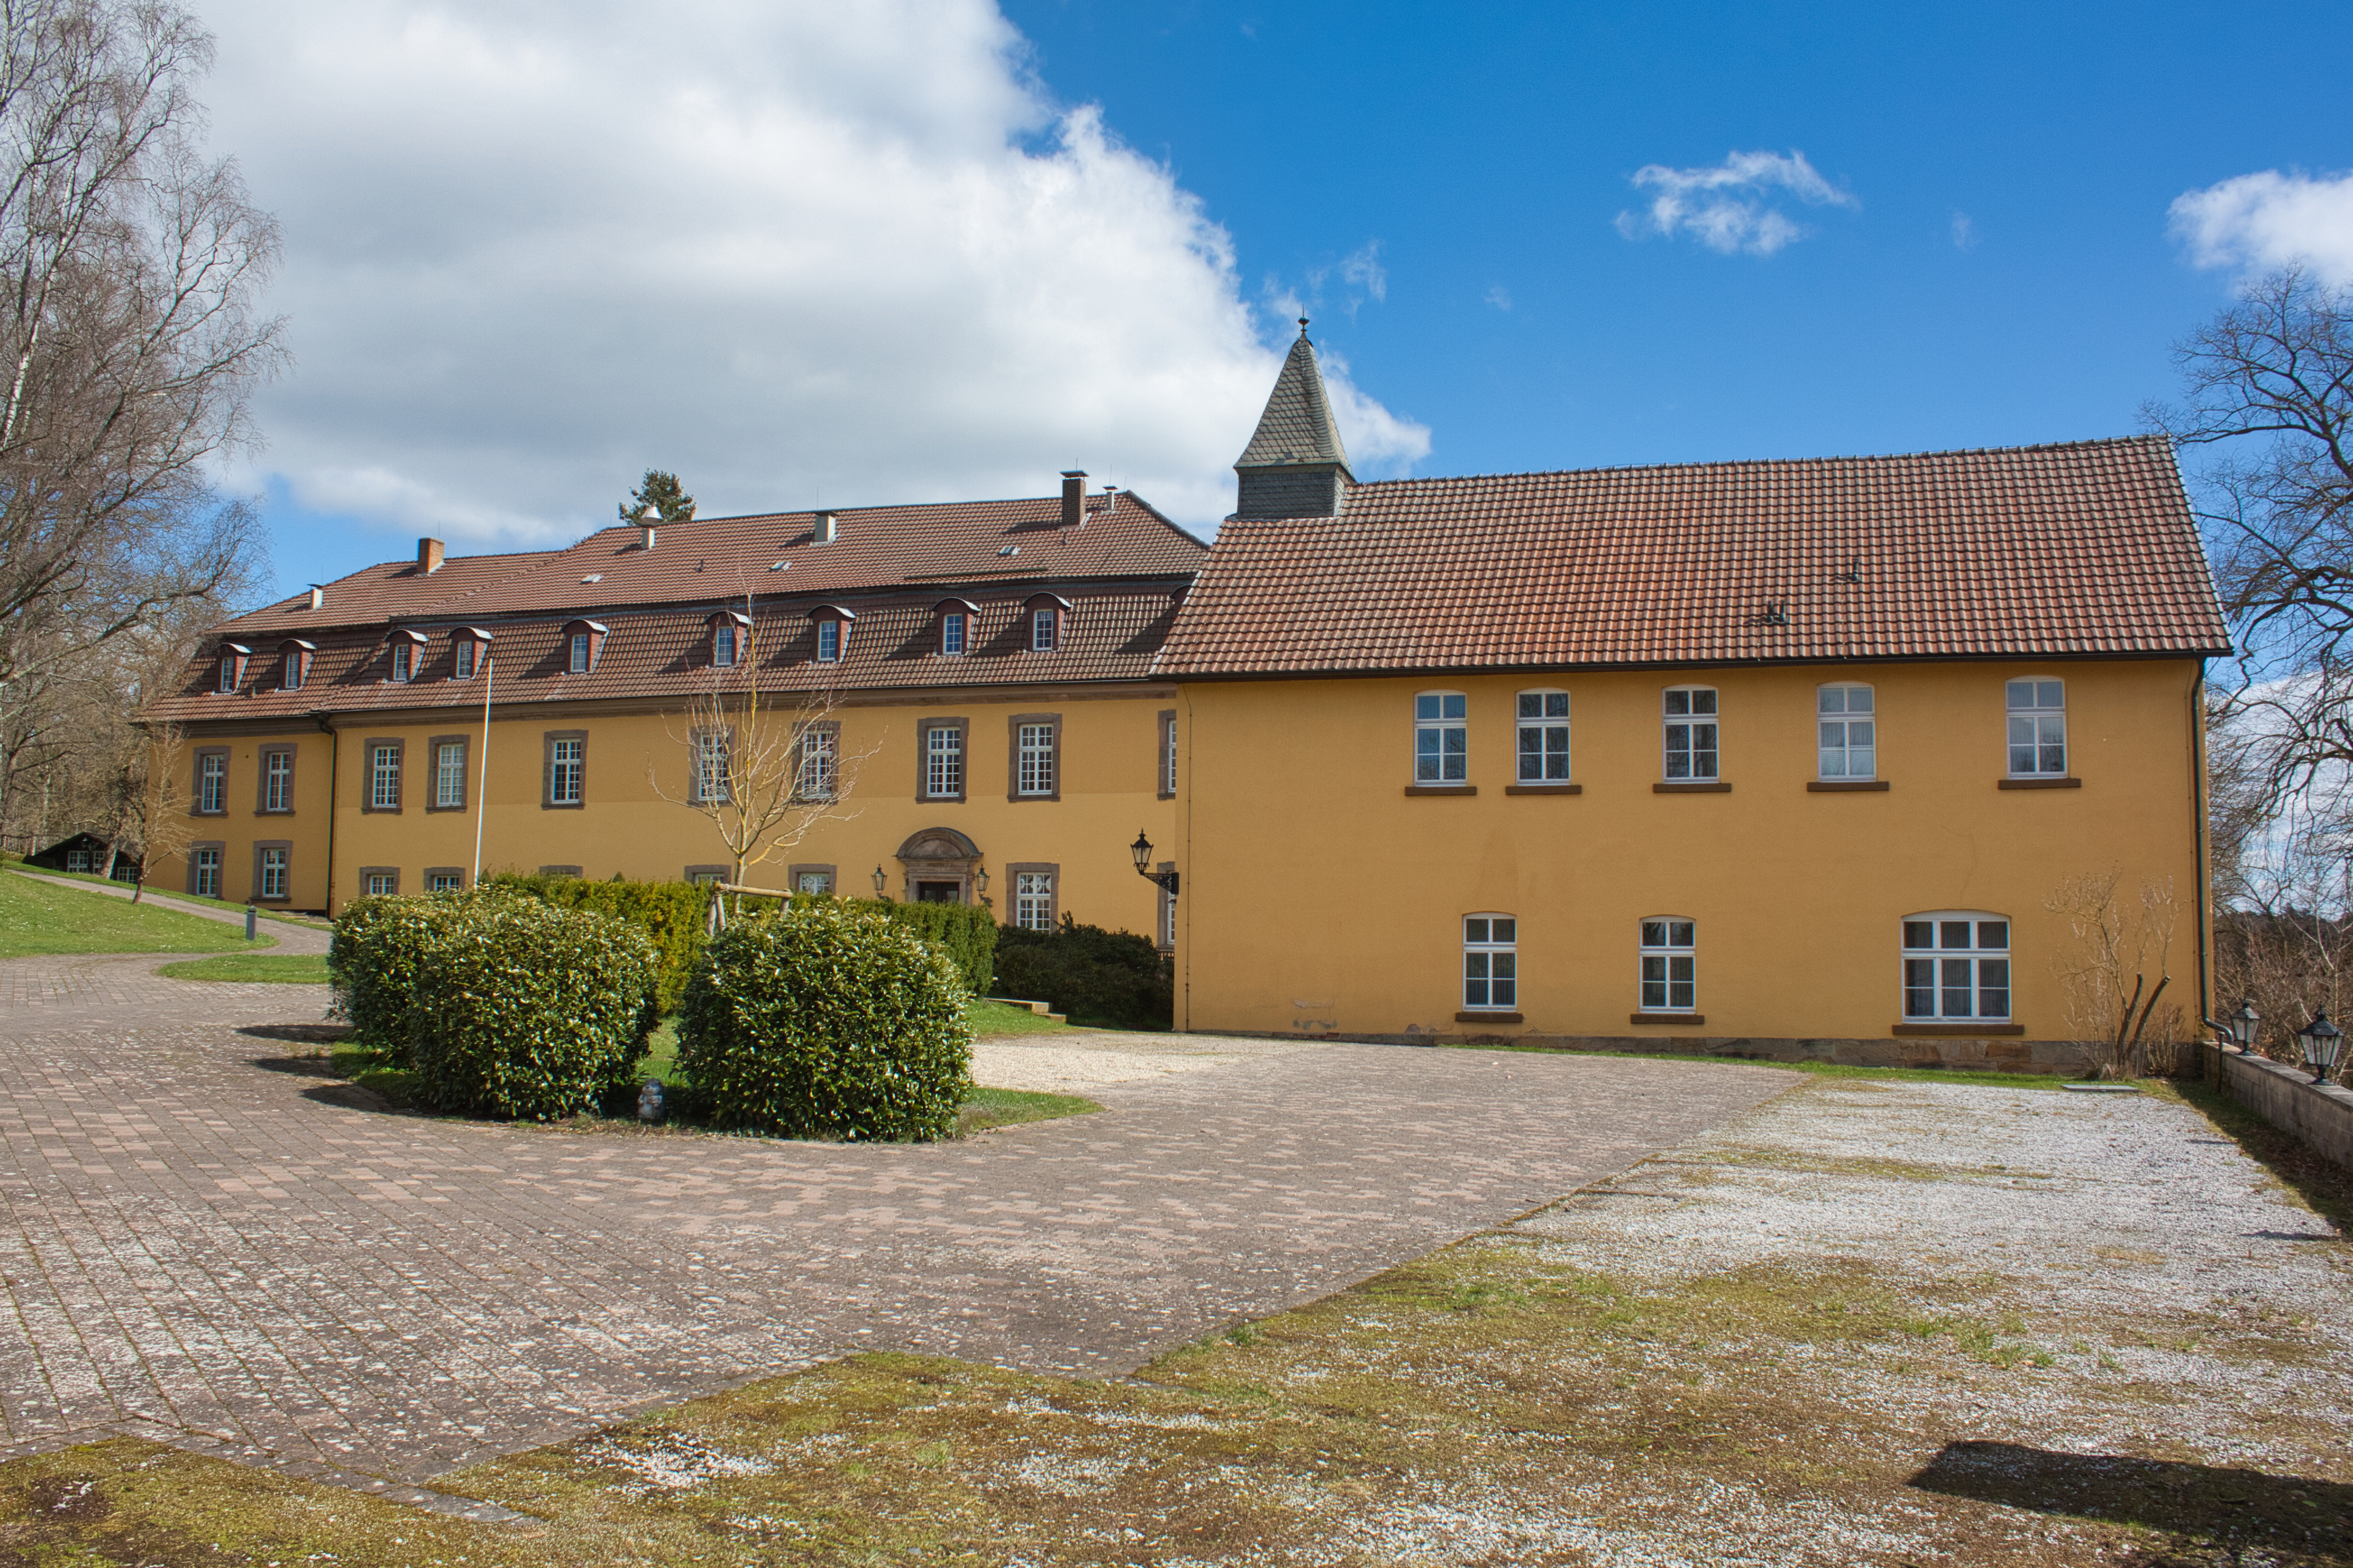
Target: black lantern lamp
(881, 881)
(2321, 1041)
(2244, 1024)
(1142, 850)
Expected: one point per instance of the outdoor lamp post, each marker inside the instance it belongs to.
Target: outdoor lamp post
(2242, 1024)
(1142, 849)
(2321, 1040)
(881, 881)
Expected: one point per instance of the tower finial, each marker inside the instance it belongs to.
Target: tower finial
(1302, 326)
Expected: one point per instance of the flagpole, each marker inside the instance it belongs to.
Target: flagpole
(482, 784)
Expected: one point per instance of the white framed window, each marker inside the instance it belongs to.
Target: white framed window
(403, 660)
(462, 659)
(1034, 771)
(1491, 963)
(79, 860)
(290, 672)
(1690, 732)
(1045, 630)
(722, 645)
(567, 768)
(383, 777)
(952, 632)
(449, 775)
(711, 766)
(576, 663)
(277, 781)
(208, 878)
(1168, 753)
(227, 681)
(1670, 965)
(1846, 731)
(1956, 966)
(814, 882)
(829, 641)
(272, 877)
(1033, 900)
(212, 783)
(382, 883)
(2038, 727)
(1442, 738)
(821, 758)
(1544, 737)
(445, 881)
(944, 762)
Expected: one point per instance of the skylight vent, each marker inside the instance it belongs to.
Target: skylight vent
(780, 566)
(1009, 550)
(593, 577)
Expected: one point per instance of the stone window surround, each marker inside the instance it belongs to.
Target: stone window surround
(196, 781)
(1164, 766)
(1053, 898)
(220, 850)
(793, 875)
(465, 768)
(262, 807)
(827, 727)
(547, 801)
(1164, 928)
(425, 884)
(366, 872)
(695, 741)
(367, 776)
(924, 728)
(717, 873)
(258, 846)
(1013, 757)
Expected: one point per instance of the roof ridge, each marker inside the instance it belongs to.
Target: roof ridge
(2088, 441)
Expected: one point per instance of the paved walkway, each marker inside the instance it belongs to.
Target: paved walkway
(202, 1240)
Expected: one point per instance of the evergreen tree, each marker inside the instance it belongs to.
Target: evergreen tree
(660, 500)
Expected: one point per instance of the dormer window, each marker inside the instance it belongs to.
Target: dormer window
(294, 663)
(469, 648)
(833, 623)
(584, 645)
(957, 619)
(231, 674)
(731, 639)
(722, 645)
(407, 652)
(1046, 616)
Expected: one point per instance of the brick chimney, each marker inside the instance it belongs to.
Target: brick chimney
(824, 528)
(428, 556)
(1074, 497)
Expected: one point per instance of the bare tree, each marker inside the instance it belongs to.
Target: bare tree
(766, 769)
(129, 341)
(152, 817)
(2114, 975)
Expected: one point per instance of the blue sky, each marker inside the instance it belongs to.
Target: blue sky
(1980, 253)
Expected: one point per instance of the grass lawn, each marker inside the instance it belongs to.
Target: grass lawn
(39, 918)
(1002, 1018)
(226, 904)
(285, 968)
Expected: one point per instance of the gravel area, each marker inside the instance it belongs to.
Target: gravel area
(1074, 1063)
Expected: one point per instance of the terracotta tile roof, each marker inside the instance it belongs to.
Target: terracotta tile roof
(2087, 548)
(661, 654)
(382, 593)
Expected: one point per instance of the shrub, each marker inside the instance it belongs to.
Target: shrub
(1096, 976)
(966, 933)
(528, 1011)
(371, 963)
(670, 915)
(822, 1019)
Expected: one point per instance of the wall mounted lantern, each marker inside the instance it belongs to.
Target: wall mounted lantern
(980, 880)
(881, 881)
(1142, 849)
(2321, 1040)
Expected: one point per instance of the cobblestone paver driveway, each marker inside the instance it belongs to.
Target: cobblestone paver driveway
(204, 1241)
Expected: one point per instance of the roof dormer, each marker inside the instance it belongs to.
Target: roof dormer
(469, 649)
(954, 625)
(229, 676)
(731, 639)
(832, 622)
(408, 653)
(584, 645)
(294, 663)
(1047, 621)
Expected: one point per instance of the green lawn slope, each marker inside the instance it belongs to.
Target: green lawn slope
(38, 917)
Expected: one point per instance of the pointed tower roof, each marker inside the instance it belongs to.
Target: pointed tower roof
(1297, 425)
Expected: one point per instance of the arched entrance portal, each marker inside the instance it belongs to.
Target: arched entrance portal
(937, 867)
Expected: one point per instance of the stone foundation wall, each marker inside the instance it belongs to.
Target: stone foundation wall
(1992, 1054)
(2319, 1114)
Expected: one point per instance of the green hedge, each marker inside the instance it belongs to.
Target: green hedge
(528, 1011)
(966, 933)
(670, 915)
(1097, 976)
(372, 964)
(826, 1019)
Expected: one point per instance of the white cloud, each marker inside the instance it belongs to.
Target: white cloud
(1499, 295)
(1729, 207)
(2261, 221)
(1378, 441)
(1965, 232)
(783, 249)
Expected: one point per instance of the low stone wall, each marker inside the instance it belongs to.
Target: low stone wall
(1988, 1054)
(2321, 1114)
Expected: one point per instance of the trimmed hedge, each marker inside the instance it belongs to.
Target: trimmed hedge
(966, 933)
(527, 1011)
(372, 964)
(670, 915)
(825, 1019)
(1096, 976)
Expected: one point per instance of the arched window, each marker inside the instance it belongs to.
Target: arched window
(1670, 965)
(230, 675)
(955, 621)
(584, 645)
(1442, 738)
(1491, 963)
(1956, 966)
(1544, 737)
(2038, 727)
(1690, 735)
(1846, 730)
(833, 623)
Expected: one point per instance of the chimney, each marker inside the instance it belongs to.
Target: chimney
(823, 530)
(318, 595)
(1074, 497)
(645, 536)
(428, 556)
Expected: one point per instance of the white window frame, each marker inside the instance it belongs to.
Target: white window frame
(707, 759)
(445, 881)
(1035, 763)
(275, 872)
(461, 659)
(814, 883)
(820, 763)
(954, 634)
(212, 783)
(1684, 759)
(278, 781)
(227, 683)
(1033, 900)
(1547, 722)
(829, 641)
(383, 777)
(1835, 760)
(567, 770)
(1963, 946)
(944, 762)
(1438, 718)
(1045, 629)
(448, 776)
(722, 646)
(1491, 963)
(1168, 755)
(403, 662)
(206, 865)
(578, 653)
(290, 671)
(390, 881)
(2040, 719)
(1665, 942)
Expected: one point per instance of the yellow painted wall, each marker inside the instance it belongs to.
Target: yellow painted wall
(1109, 756)
(244, 823)
(1319, 897)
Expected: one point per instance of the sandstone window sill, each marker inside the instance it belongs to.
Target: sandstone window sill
(1957, 1031)
(1543, 789)
(1489, 1018)
(1719, 787)
(2039, 783)
(1666, 1017)
(1845, 787)
(1441, 789)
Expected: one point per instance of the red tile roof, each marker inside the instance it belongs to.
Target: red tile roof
(2087, 548)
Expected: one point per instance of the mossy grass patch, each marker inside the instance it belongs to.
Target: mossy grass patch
(989, 1019)
(279, 968)
(988, 1107)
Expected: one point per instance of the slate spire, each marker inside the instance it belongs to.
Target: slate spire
(1294, 465)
